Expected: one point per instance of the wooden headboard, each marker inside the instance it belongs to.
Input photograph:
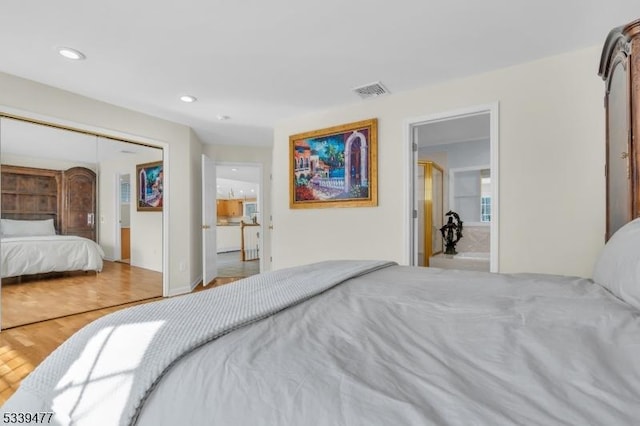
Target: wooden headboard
(31, 194)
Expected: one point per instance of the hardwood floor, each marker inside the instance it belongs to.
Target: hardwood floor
(23, 348)
(36, 300)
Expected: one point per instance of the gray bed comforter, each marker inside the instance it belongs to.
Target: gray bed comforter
(395, 346)
(103, 374)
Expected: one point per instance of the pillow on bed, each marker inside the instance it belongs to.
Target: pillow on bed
(26, 228)
(618, 267)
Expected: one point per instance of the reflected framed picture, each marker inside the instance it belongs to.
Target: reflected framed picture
(149, 184)
(334, 167)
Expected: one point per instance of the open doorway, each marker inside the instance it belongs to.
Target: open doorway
(239, 227)
(455, 174)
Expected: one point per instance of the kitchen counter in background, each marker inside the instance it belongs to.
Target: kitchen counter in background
(228, 237)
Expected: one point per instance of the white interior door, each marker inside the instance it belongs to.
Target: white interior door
(209, 251)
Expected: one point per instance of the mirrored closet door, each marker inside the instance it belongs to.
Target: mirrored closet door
(60, 228)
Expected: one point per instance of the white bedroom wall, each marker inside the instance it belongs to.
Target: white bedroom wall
(552, 191)
(146, 226)
(37, 101)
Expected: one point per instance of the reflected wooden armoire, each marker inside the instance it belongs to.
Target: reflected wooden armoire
(79, 202)
(620, 69)
(68, 197)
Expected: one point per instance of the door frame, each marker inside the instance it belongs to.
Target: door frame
(411, 161)
(260, 200)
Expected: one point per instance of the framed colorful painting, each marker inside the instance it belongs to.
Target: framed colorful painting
(335, 167)
(149, 181)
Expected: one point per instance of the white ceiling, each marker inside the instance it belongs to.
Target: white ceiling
(236, 189)
(263, 61)
(237, 181)
(242, 173)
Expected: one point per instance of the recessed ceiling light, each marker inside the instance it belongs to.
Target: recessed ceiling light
(234, 170)
(222, 117)
(188, 98)
(70, 53)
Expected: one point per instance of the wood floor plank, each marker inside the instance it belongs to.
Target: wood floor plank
(23, 348)
(36, 300)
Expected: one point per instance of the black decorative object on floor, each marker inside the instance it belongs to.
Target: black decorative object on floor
(452, 232)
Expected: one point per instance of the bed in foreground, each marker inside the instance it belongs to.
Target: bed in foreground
(361, 343)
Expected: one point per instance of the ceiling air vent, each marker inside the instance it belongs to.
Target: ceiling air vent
(371, 90)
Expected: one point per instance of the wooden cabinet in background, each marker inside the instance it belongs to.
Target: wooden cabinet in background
(229, 208)
(79, 202)
(235, 208)
(220, 208)
(68, 197)
(224, 208)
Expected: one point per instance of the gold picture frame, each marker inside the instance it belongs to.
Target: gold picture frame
(334, 167)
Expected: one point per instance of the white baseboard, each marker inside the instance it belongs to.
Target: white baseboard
(196, 282)
(185, 289)
(178, 291)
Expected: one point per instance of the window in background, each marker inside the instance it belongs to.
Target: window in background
(485, 196)
(125, 192)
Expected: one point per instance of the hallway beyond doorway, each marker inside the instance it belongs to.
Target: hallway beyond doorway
(230, 264)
